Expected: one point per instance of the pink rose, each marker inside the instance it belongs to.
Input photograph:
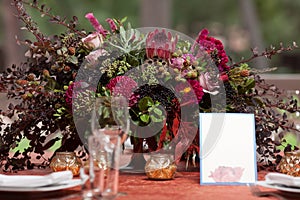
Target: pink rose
(93, 41)
(92, 58)
(208, 83)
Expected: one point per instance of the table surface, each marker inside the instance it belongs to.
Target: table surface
(138, 186)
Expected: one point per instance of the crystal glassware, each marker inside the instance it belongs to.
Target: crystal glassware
(103, 167)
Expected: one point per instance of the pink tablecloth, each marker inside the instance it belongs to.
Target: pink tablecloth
(137, 186)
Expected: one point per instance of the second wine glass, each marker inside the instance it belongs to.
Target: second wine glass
(111, 116)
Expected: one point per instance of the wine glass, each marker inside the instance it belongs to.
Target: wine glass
(110, 116)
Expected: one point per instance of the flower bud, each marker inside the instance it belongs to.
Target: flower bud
(245, 73)
(74, 75)
(177, 78)
(67, 68)
(22, 82)
(224, 77)
(46, 73)
(176, 70)
(24, 96)
(161, 69)
(179, 52)
(31, 77)
(71, 50)
(40, 88)
(167, 73)
(189, 74)
(183, 80)
(175, 54)
(195, 63)
(194, 74)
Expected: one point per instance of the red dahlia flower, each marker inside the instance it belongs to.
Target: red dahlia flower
(122, 85)
(214, 48)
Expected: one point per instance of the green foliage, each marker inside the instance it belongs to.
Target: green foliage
(289, 139)
(129, 40)
(147, 111)
(239, 79)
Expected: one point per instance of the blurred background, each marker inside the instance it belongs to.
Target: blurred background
(240, 24)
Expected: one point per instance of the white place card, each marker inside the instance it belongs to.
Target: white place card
(227, 149)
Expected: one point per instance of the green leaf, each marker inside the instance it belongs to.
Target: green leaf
(64, 50)
(145, 103)
(250, 83)
(51, 84)
(257, 101)
(156, 119)
(157, 111)
(145, 118)
(123, 34)
(129, 25)
(123, 20)
(72, 59)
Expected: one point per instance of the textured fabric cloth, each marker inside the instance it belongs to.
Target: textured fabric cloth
(185, 186)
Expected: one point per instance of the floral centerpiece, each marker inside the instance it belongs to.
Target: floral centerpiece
(167, 79)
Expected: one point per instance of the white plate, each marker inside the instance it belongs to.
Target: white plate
(278, 187)
(34, 181)
(60, 186)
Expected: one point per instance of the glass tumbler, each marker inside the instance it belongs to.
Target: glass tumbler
(104, 156)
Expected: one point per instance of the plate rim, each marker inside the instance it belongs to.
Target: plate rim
(48, 188)
(278, 187)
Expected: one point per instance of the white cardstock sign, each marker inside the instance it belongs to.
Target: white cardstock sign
(227, 149)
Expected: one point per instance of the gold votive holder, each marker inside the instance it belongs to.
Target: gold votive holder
(63, 161)
(290, 164)
(160, 167)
